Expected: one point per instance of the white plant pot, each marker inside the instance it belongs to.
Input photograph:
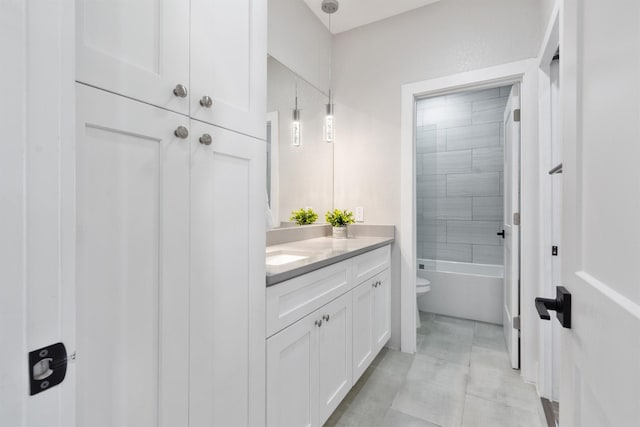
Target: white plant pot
(340, 232)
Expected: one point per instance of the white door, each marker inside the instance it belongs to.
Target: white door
(292, 375)
(335, 349)
(381, 310)
(139, 49)
(600, 75)
(363, 351)
(227, 333)
(228, 64)
(132, 263)
(511, 229)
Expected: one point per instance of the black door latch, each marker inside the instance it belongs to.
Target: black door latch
(501, 233)
(561, 305)
(47, 367)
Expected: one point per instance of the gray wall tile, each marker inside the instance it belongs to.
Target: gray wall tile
(454, 252)
(474, 232)
(473, 184)
(477, 95)
(447, 162)
(488, 254)
(434, 231)
(488, 159)
(431, 186)
(459, 163)
(448, 115)
(488, 208)
(474, 136)
(426, 103)
(491, 110)
(454, 208)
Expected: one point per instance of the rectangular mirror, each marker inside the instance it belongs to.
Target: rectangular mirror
(298, 176)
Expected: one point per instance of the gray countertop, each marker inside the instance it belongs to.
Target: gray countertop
(318, 253)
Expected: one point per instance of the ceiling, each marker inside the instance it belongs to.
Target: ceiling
(355, 13)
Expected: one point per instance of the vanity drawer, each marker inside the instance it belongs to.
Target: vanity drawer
(293, 299)
(371, 263)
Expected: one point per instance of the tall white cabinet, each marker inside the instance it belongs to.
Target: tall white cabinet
(170, 212)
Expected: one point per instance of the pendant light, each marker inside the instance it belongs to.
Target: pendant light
(329, 7)
(295, 124)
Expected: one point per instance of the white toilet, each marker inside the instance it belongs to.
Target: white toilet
(422, 287)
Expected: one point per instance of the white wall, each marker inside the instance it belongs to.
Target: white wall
(371, 63)
(546, 7)
(300, 41)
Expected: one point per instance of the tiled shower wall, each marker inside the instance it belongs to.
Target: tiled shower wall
(459, 173)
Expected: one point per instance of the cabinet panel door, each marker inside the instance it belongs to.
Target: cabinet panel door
(228, 63)
(335, 348)
(227, 278)
(292, 375)
(363, 346)
(382, 311)
(139, 49)
(132, 263)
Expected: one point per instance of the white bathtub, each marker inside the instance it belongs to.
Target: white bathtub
(460, 289)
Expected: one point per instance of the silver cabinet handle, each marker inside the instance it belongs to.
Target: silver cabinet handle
(180, 91)
(318, 323)
(326, 317)
(206, 101)
(181, 132)
(205, 139)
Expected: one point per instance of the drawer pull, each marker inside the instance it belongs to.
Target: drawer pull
(326, 317)
(319, 323)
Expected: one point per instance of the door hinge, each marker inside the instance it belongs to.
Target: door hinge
(516, 218)
(516, 322)
(47, 367)
(516, 115)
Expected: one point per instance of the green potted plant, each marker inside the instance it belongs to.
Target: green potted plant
(339, 220)
(304, 216)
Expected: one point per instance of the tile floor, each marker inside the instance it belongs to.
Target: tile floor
(460, 376)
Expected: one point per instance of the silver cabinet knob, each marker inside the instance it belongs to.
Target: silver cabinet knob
(206, 101)
(181, 132)
(180, 91)
(318, 323)
(205, 139)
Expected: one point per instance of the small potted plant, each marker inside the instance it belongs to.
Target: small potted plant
(304, 216)
(339, 220)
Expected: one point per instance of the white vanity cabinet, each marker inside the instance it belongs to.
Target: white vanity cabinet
(324, 330)
(371, 320)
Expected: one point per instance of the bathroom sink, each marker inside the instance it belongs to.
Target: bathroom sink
(282, 258)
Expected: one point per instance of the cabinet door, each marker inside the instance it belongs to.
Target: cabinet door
(228, 63)
(227, 347)
(132, 263)
(382, 310)
(363, 346)
(292, 375)
(139, 49)
(335, 349)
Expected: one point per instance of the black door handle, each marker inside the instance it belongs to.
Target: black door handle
(501, 233)
(561, 305)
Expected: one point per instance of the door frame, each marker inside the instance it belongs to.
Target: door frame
(548, 49)
(523, 72)
(37, 298)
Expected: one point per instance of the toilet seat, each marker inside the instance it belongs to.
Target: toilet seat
(422, 285)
